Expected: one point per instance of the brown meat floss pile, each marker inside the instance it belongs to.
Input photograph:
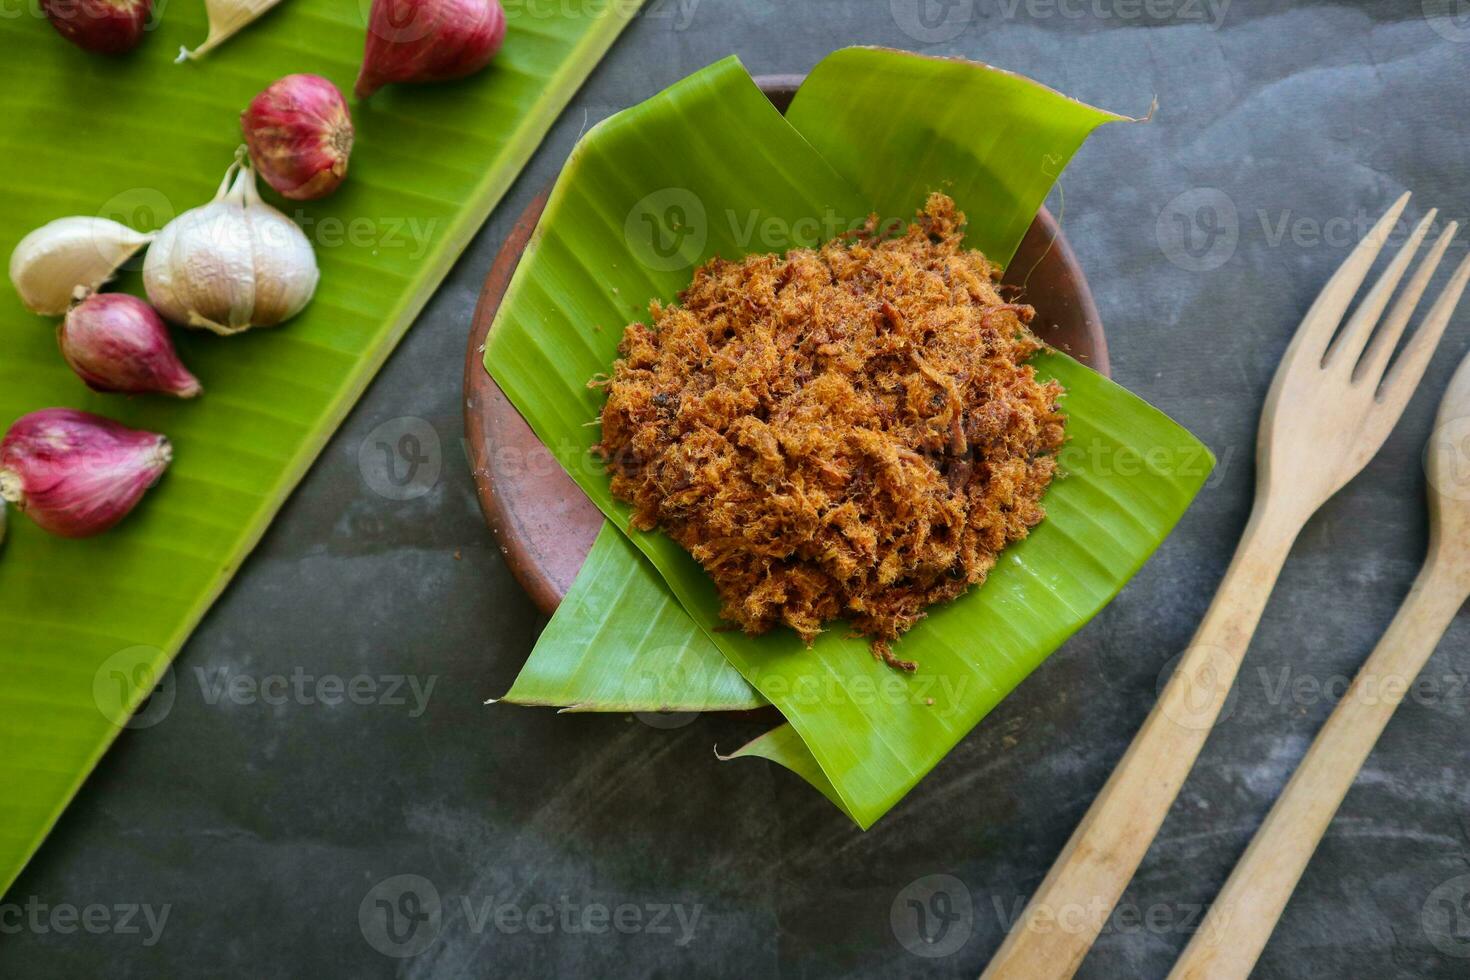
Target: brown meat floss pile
(845, 432)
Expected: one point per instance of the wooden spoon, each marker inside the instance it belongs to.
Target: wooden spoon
(1331, 406)
(1241, 920)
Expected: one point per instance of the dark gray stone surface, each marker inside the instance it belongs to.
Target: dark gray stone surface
(264, 826)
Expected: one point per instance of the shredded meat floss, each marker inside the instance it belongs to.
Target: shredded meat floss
(846, 432)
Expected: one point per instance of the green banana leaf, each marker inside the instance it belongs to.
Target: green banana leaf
(87, 626)
(627, 223)
(899, 125)
(1128, 474)
(576, 663)
(889, 95)
(620, 641)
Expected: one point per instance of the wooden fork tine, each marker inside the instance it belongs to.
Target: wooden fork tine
(1354, 337)
(1375, 362)
(1403, 377)
(1325, 314)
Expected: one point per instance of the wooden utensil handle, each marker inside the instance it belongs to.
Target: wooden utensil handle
(1239, 923)
(1074, 901)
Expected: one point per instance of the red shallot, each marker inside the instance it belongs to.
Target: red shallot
(104, 26)
(117, 342)
(428, 41)
(300, 136)
(77, 474)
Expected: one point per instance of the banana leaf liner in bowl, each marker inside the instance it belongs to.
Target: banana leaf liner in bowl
(654, 191)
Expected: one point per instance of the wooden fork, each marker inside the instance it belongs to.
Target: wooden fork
(1329, 411)
(1241, 919)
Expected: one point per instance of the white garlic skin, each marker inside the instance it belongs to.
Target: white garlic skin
(52, 261)
(232, 264)
(226, 18)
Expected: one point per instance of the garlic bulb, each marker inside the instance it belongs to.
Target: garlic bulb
(226, 17)
(233, 264)
(56, 258)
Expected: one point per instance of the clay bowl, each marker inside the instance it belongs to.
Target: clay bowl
(543, 522)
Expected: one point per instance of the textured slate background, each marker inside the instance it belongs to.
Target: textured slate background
(265, 827)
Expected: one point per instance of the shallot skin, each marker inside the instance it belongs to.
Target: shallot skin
(300, 135)
(76, 474)
(428, 41)
(103, 26)
(118, 343)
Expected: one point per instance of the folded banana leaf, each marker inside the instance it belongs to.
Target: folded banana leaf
(620, 641)
(690, 174)
(87, 626)
(898, 125)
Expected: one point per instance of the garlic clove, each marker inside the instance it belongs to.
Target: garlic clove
(286, 272)
(285, 269)
(232, 264)
(75, 474)
(226, 18)
(203, 273)
(52, 261)
(116, 342)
